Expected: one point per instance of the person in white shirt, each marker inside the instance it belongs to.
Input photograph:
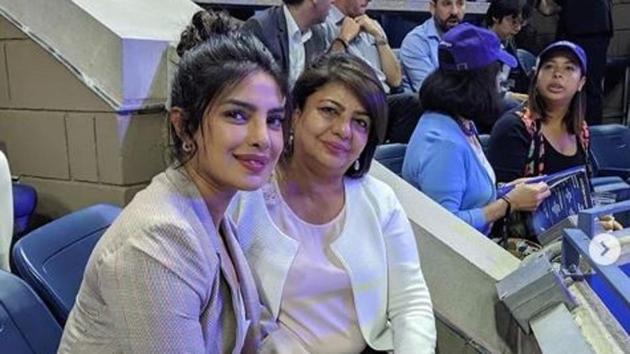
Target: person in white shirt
(332, 251)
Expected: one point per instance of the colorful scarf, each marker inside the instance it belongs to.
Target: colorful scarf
(535, 162)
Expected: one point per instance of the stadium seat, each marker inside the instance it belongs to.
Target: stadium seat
(610, 148)
(604, 180)
(391, 156)
(52, 258)
(26, 325)
(24, 203)
(527, 60)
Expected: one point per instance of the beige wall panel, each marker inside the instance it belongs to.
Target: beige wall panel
(35, 143)
(130, 147)
(4, 82)
(82, 146)
(108, 145)
(39, 81)
(144, 148)
(57, 198)
(8, 31)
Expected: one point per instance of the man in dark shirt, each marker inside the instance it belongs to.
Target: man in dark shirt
(587, 23)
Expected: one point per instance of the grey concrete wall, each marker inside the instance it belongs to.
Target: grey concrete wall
(461, 267)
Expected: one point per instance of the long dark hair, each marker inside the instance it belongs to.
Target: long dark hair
(500, 9)
(214, 59)
(359, 77)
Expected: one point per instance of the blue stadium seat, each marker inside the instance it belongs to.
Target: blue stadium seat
(604, 180)
(391, 156)
(52, 258)
(527, 60)
(610, 147)
(26, 325)
(24, 203)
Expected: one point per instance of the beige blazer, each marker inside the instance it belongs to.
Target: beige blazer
(156, 282)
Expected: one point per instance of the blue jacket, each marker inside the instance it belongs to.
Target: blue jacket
(441, 163)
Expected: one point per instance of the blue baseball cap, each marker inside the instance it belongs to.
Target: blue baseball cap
(568, 46)
(473, 48)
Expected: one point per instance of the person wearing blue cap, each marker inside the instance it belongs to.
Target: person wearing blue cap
(588, 23)
(444, 158)
(549, 133)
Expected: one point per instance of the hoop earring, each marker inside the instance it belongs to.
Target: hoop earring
(357, 165)
(187, 146)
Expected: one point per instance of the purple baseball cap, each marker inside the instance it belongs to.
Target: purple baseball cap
(569, 47)
(473, 48)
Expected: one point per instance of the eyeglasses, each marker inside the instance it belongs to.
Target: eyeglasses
(517, 21)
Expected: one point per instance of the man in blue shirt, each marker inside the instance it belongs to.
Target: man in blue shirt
(419, 49)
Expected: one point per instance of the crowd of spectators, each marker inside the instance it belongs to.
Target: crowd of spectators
(274, 125)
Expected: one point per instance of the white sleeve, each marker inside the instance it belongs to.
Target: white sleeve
(409, 309)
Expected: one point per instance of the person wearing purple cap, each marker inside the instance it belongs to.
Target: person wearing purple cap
(549, 133)
(444, 158)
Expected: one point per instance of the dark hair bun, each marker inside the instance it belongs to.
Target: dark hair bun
(204, 25)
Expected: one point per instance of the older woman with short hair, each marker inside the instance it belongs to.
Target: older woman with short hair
(332, 251)
(444, 158)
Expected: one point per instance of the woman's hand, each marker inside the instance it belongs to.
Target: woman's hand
(609, 223)
(524, 180)
(528, 196)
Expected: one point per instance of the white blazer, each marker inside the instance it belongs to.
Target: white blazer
(378, 250)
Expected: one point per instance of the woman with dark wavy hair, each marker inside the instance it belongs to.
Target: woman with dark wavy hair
(168, 276)
(444, 158)
(331, 248)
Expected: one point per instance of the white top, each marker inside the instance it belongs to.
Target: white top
(297, 52)
(377, 249)
(481, 156)
(317, 307)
